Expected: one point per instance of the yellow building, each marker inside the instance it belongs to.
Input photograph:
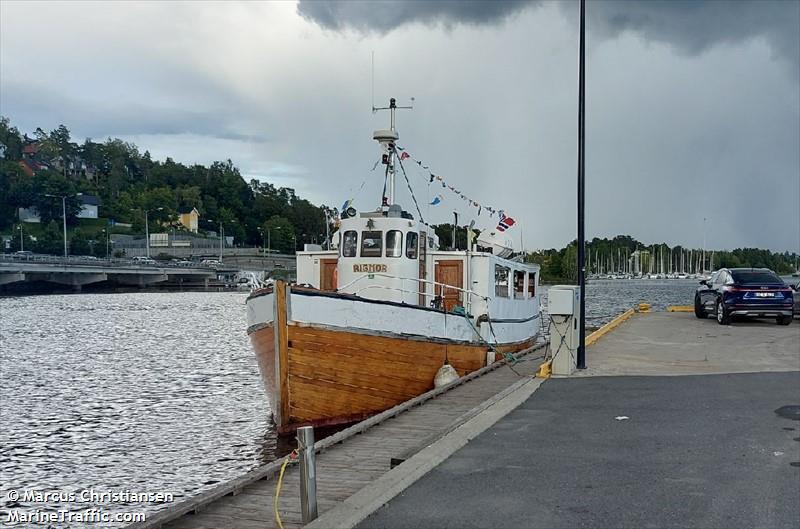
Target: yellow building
(188, 217)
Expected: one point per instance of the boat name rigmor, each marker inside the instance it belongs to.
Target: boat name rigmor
(369, 268)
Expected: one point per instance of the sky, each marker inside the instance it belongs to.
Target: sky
(692, 108)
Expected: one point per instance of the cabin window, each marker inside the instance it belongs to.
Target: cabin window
(531, 285)
(371, 243)
(501, 274)
(519, 284)
(411, 245)
(394, 243)
(350, 243)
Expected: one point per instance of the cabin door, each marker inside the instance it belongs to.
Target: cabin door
(450, 273)
(327, 273)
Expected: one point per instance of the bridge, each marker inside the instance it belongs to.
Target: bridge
(79, 271)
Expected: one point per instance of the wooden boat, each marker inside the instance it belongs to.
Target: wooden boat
(369, 324)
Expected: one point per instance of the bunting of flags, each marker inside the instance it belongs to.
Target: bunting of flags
(505, 221)
(437, 200)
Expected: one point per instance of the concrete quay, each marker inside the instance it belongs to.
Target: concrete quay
(676, 423)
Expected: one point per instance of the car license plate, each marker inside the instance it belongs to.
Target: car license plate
(765, 294)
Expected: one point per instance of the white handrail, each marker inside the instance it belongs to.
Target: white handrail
(427, 281)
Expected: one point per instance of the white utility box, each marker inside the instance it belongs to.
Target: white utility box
(563, 305)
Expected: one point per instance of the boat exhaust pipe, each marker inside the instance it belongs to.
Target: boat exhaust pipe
(308, 473)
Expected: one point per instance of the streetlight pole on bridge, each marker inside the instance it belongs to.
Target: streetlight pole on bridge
(64, 216)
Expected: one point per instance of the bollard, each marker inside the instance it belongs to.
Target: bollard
(308, 473)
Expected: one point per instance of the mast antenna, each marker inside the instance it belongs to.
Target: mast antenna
(387, 140)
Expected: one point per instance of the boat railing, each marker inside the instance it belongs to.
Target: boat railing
(442, 286)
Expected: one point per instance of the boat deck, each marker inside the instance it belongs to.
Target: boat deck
(343, 468)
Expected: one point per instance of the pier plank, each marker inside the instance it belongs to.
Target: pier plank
(347, 461)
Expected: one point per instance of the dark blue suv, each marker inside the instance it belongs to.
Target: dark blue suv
(754, 292)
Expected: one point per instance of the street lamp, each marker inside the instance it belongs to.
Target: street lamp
(269, 242)
(108, 235)
(221, 236)
(64, 215)
(21, 242)
(147, 228)
(264, 236)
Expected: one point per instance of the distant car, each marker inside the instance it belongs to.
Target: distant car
(184, 262)
(23, 253)
(139, 259)
(209, 262)
(750, 292)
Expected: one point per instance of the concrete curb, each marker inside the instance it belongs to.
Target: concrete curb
(360, 505)
(608, 327)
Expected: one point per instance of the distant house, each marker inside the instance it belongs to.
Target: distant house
(29, 150)
(89, 204)
(30, 166)
(73, 167)
(188, 217)
(30, 215)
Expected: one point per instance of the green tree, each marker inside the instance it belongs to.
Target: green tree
(48, 187)
(281, 234)
(79, 244)
(51, 241)
(11, 138)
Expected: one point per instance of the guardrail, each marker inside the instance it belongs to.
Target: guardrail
(75, 260)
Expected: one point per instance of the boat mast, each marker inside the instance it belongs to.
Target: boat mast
(387, 139)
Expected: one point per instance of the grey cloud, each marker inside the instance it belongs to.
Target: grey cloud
(382, 17)
(690, 26)
(98, 118)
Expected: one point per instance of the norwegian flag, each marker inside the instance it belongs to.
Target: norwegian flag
(505, 222)
(404, 155)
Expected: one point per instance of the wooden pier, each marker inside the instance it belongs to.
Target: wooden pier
(348, 460)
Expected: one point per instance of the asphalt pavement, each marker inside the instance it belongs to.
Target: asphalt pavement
(704, 451)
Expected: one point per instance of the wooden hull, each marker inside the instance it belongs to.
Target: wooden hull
(320, 375)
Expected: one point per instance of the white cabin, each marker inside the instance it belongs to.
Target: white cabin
(389, 256)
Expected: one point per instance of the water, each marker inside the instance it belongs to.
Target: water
(158, 392)
(148, 392)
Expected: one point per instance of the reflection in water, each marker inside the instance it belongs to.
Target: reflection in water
(155, 392)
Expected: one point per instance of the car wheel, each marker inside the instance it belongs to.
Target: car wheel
(784, 320)
(722, 313)
(699, 311)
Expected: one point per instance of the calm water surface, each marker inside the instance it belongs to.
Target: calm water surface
(154, 392)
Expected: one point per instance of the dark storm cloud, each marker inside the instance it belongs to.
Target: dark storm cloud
(382, 17)
(690, 26)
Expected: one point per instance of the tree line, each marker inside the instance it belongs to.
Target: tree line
(129, 182)
(606, 254)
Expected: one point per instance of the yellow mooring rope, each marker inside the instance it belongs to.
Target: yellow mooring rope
(292, 457)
